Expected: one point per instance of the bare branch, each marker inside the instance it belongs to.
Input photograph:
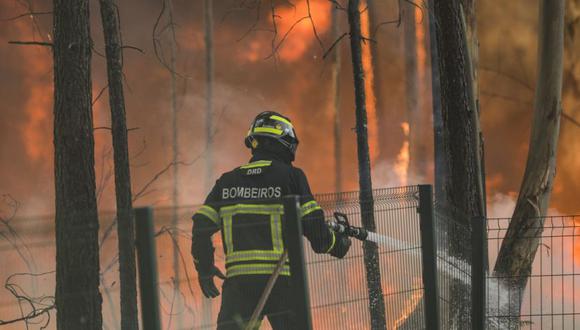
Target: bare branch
(30, 43)
(570, 119)
(100, 94)
(30, 14)
(333, 45)
(134, 48)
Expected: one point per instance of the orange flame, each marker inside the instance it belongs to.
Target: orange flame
(36, 133)
(369, 82)
(421, 51)
(298, 26)
(409, 308)
(401, 167)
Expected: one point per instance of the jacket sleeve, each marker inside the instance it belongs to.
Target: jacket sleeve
(206, 222)
(322, 239)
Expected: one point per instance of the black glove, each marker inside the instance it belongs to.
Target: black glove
(206, 282)
(341, 246)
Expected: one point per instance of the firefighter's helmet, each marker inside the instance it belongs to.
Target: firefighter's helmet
(272, 125)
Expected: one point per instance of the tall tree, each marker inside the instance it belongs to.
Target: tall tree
(208, 37)
(463, 184)
(439, 161)
(125, 226)
(518, 249)
(209, 164)
(371, 256)
(175, 146)
(78, 300)
(335, 94)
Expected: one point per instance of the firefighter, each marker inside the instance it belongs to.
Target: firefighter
(244, 205)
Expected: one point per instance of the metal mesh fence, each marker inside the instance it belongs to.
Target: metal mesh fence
(338, 287)
(454, 251)
(550, 298)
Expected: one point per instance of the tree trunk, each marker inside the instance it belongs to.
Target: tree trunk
(208, 37)
(371, 257)
(335, 92)
(125, 227)
(520, 244)
(209, 176)
(78, 300)
(439, 153)
(463, 185)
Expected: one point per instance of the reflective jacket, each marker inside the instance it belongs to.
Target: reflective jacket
(251, 226)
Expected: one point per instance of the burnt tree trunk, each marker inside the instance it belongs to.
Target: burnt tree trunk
(175, 156)
(371, 256)
(520, 244)
(207, 316)
(439, 153)
(463, 184)
(208, 37)
(125, 226)
(78, 300)
(335, 93)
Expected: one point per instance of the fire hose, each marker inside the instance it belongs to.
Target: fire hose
(342, 226)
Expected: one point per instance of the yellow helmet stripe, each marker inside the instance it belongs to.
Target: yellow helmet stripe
(284, 120)
(268, 130)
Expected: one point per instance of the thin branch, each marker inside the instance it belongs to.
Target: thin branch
(313, 25)
(29, 14)
(275, 50)
(509, 76)
(570, 119)
(30, 43)
(333, 45)
(100, 94)
(134, 48)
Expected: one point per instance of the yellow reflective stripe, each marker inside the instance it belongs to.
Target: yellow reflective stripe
(278, 118)
(229, 242)
(259, 163)
(255, 269)
(333, 242)
(275, 212)
(251, 255)
(253, 209)
(209, 212)
(309, 207)
(268, 130)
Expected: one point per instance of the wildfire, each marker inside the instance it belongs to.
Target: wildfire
(369, 82)
(294, 23)
(401, 167)
(421, 51)
(36, 130)
(410, 305)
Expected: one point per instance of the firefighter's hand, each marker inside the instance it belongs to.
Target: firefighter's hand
(341, 246)
(207, 285)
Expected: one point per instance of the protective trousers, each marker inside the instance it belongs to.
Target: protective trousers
(240, 296)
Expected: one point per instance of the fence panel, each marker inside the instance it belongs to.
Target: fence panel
(454, 253)
(552, 293)
(339, 296)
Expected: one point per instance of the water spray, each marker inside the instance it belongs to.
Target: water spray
(341, 225)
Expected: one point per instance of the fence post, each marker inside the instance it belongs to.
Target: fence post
(294, 245)
(429, 256)
(478, 272)
(147, 260)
